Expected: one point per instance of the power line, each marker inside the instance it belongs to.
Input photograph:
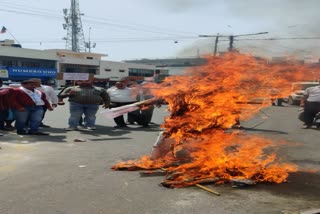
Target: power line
(147, 39)
(29, 13)
(23, 8)
(52, 14)
(143, 26)
(284, 38)
(231, 39)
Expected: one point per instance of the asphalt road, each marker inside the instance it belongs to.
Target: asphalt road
(56, 175)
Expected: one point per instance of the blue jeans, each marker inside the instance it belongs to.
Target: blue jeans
(32, 116)
(76, 111)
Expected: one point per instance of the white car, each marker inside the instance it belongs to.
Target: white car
(295, 97)
(298, 91)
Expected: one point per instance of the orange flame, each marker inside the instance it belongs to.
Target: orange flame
(205, 102)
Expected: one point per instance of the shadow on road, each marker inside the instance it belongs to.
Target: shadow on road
(248, 129)
(299, 185)
(29, 139)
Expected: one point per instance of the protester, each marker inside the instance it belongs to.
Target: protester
(28, 103)
(121, 95)
(3, 106)
(84, 99)
(5, 95)
(311, 104)
(61, 102)
(143, 116)
(50, 96)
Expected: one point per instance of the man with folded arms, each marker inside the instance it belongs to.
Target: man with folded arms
(28, 103)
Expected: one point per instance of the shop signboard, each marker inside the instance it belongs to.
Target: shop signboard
(4, 72)
(31, 72)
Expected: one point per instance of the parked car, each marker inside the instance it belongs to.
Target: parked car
(298, 90)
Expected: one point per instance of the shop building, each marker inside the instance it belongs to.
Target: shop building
(17, 64)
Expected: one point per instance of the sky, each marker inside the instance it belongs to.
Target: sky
(135, 29)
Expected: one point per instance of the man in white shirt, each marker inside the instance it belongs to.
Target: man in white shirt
(311, 103)
(50, 96)
(121, 95)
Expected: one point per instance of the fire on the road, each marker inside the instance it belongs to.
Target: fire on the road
(207, 101)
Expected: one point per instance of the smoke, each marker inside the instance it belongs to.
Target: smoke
(283, 15)
(177, 6)
(281, 18)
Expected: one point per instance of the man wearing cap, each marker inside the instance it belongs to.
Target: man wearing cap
(28, 105)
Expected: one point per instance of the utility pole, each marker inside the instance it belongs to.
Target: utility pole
(215, 43)
(75, 37)
(231, 40)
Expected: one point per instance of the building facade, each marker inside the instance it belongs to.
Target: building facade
(174, 66)
(116, 71)
(17, 64)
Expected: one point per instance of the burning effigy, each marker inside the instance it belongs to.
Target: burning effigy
(195, 146)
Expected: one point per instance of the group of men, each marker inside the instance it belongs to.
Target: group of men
(29, 101)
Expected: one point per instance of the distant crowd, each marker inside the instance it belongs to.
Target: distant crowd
(25, 105)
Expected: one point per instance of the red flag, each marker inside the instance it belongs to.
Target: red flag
(3, 30)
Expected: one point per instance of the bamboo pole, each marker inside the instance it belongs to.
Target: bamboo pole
(201, 186)
(207, 189)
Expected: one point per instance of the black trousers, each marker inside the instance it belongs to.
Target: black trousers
(3, 117)
(120, 119)
(142, 117)
(310, 111)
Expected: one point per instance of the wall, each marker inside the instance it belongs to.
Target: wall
(118, 70)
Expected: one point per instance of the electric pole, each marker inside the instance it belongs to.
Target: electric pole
(215, 43)
(75, 37)
(231, 40)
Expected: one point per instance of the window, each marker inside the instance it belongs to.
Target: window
(89, 57)
(107, 70)
(121, 70)
(141, 72)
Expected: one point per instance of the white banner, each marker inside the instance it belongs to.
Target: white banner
(115, 112)
(75, 76)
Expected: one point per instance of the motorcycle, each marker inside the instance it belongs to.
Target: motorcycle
(316, 119)
(277, 101)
